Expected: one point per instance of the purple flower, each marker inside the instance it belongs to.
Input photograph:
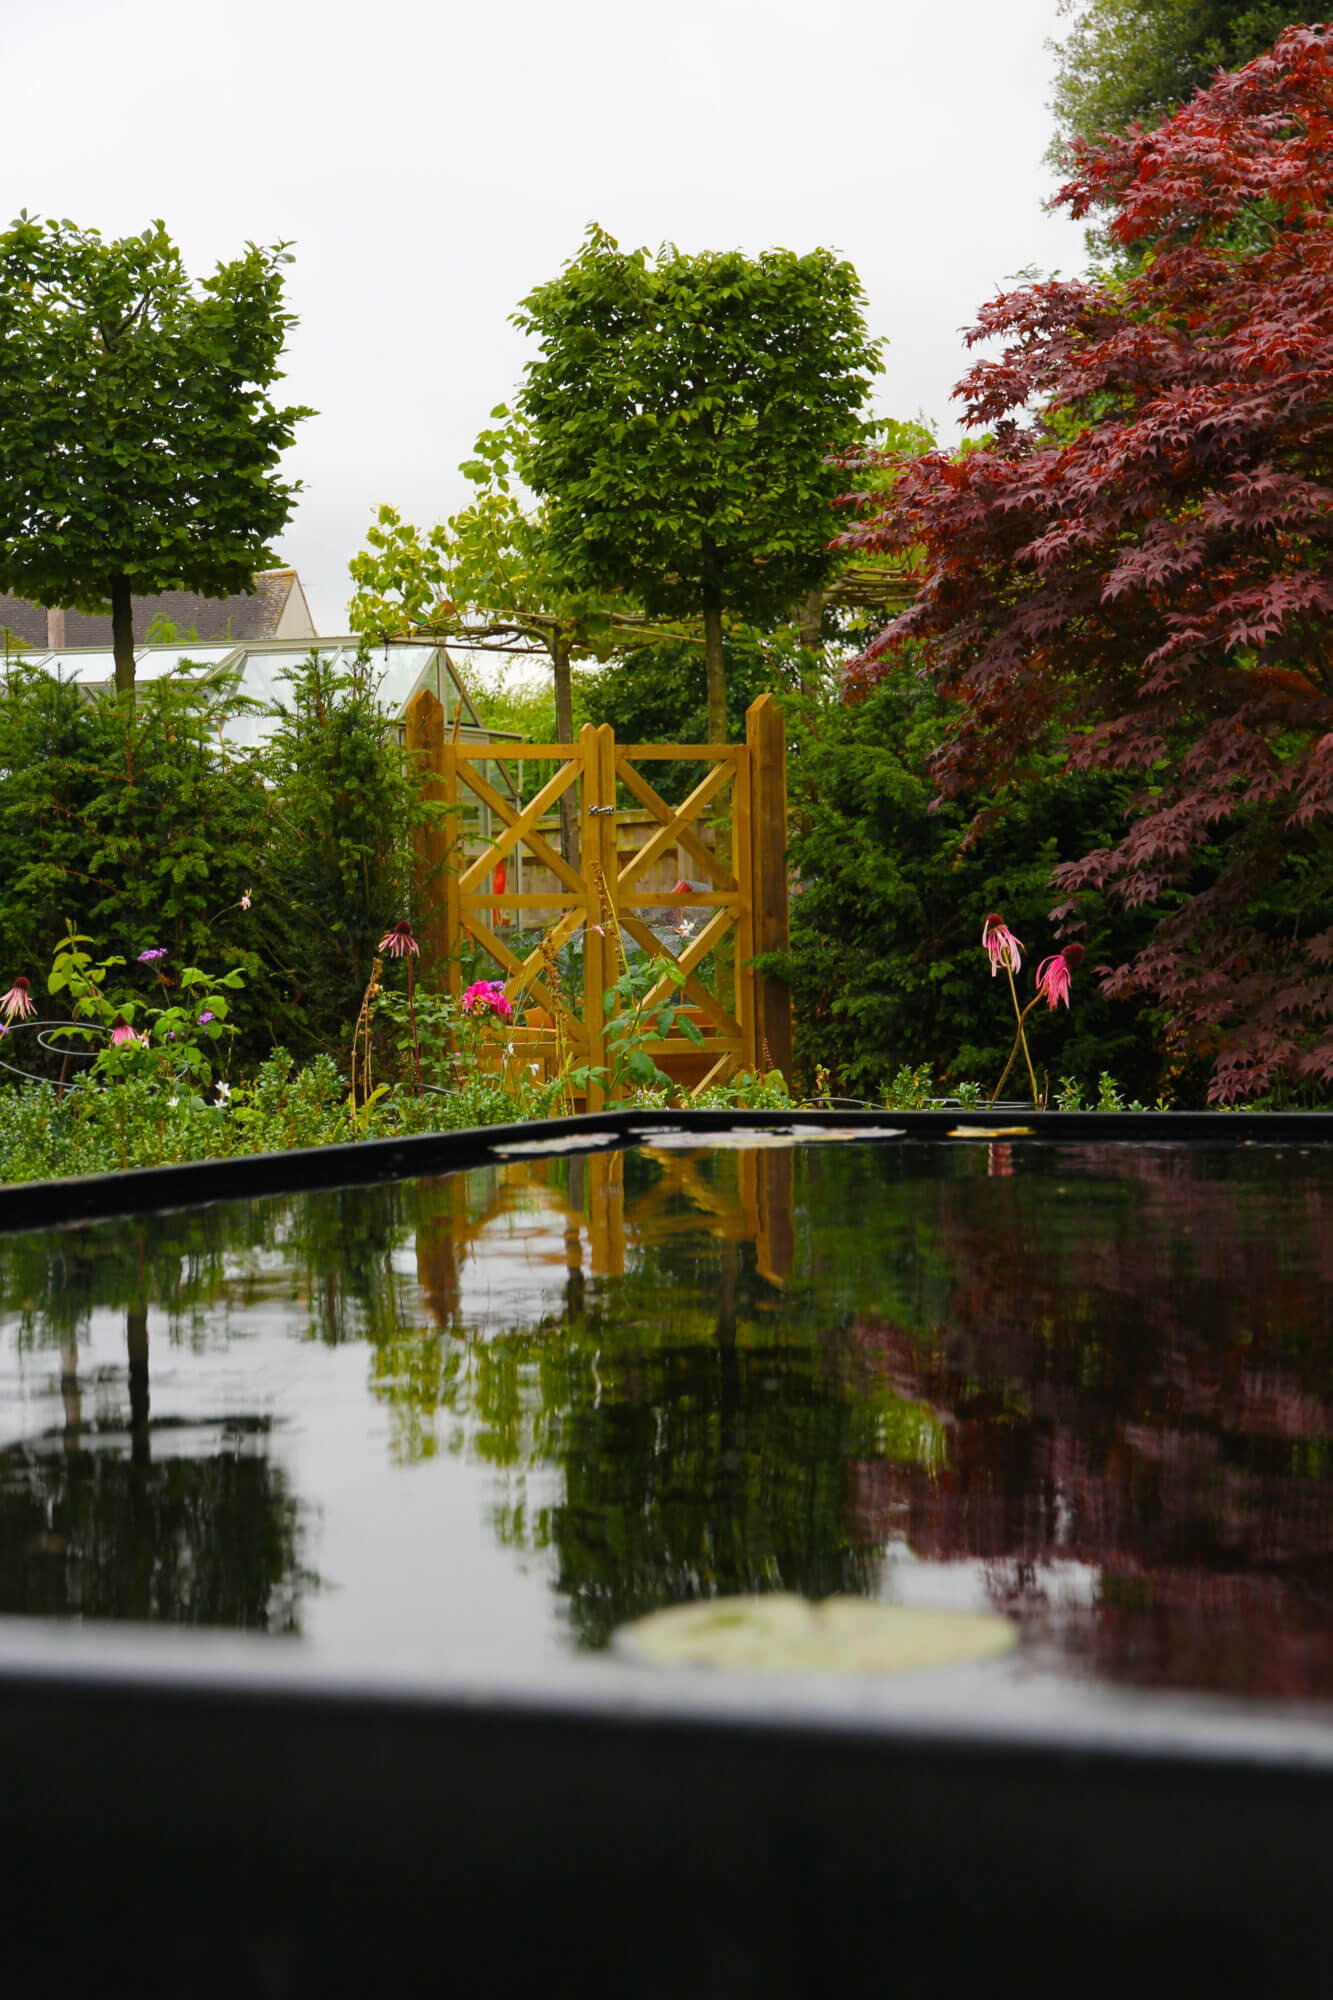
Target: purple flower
(17, 1003)
(152, 957)
(206, 1016)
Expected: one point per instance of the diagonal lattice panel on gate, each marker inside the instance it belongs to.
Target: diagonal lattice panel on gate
(494, 865)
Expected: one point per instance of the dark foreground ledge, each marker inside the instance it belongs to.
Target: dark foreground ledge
(164, 1839)
(37, 1204)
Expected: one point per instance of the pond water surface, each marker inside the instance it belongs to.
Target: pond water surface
(501, 1414)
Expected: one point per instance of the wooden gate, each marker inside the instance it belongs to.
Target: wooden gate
(735, 906)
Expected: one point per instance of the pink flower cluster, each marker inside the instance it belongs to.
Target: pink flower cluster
(1053, 974)
(487, 996)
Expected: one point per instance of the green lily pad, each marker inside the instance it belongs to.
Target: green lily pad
(787, 1634)
(749, 1138)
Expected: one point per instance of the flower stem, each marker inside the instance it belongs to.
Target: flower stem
(1019, 1013)
(412, 1010)
(1013, 1053)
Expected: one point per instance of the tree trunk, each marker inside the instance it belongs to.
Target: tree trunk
(564, 733)
(717, 668)
(122, 635)
(809, 619)
(136, 1341)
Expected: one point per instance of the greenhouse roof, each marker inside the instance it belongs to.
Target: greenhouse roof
(264, 665)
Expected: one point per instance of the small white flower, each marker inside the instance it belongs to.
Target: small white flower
(172, 1102)
(224, 1092)
(536, 1068)
(509, 1048)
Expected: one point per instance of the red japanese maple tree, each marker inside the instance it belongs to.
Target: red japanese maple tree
(1139, 553)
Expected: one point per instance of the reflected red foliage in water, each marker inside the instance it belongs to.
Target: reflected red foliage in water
(1153, 1401)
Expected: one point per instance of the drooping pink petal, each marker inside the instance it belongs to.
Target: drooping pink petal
(1001, 946)
(398, 942)
(16, 1005)
(1053, 975)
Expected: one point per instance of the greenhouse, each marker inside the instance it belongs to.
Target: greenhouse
(404, 668)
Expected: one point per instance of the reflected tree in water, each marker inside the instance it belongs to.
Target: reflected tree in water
(1108, 1360)
(190, 1540)
(696, 1429)
(119, 1517)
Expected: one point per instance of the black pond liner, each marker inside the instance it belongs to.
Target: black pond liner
(187, 1816)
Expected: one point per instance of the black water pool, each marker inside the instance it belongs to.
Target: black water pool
(482, 1422)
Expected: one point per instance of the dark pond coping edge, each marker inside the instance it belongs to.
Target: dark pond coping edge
(197, 1841)
(141, 1190)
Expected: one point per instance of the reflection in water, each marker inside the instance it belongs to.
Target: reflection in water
(1092, 1386)
(186, 1541)
(93, 1525)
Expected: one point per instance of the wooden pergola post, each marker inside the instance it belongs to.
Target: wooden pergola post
(766, 739)
(431, 843)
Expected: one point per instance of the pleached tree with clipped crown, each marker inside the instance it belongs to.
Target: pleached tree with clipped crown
(139, 447)
(679, 422)
(1140, 553)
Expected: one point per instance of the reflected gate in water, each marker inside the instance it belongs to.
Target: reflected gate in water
(1090, 1386)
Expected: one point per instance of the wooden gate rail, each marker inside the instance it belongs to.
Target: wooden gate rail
(745, 785)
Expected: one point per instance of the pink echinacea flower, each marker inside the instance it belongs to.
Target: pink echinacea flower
(1053, 975)
(1001, 946)
(123, 1033)
(398, 942)
(16, 1005)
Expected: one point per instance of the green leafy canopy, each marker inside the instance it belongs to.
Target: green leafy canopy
(138, 442)
(680, 417)
(1124, 60)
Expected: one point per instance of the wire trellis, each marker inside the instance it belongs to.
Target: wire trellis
(45, 1032)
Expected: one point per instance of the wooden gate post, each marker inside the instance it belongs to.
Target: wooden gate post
(743, 934)
(430, 841)
(766, 737)
(598, 947)
(453, 868)
(608, 858)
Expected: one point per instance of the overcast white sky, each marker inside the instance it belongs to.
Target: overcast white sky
(433, 162)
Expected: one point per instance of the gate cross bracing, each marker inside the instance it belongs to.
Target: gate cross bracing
(741, 901)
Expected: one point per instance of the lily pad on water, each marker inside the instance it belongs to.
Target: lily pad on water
(991, 1132)
(787, 1634)
(574, 1143)
(742, 1140)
